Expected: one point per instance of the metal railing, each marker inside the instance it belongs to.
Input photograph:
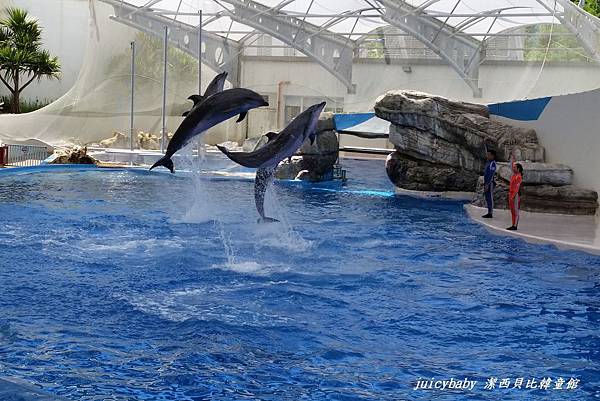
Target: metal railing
(24, 155)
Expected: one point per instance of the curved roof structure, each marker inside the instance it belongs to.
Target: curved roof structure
(457, 31)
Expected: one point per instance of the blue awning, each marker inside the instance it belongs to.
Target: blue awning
(365, 125)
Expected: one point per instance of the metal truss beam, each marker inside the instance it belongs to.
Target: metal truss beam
(463, 53)
(219, 53)
(333, 52)
(584, 26)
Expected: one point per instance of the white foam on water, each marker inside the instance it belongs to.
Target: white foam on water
(207, 303)
(233, 263)
(245, 267)
(125, 245)
(280, 234)
(381, 243)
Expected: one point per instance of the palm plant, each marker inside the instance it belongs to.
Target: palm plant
(21, 58)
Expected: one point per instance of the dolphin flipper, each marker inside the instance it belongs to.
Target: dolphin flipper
(242, 116)
(196, 99)
(271, 135)
(264, 177)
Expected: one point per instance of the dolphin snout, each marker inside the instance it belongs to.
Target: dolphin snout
(319, 107)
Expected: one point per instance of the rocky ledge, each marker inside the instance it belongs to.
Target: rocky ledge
(440, 146)
(312, 162)
(74, 155)
(565, 199)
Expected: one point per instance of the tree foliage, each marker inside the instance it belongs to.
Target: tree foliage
(554, 42)
(22, 60)
(149, 60)
(591, 6)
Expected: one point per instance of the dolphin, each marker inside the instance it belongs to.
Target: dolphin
(212, 111)
(215, 86)
(279, 147)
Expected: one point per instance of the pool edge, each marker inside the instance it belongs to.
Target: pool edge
(473, 213)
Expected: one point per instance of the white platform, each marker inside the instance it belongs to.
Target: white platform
(565, 232)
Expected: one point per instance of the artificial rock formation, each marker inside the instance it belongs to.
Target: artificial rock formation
(118, 140)
(144, 140)
(541, 198)
(315, 160)
(440, 146)
(74, 155)
(150, 141)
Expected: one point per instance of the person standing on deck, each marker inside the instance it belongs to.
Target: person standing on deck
(488, 182)
(514, 193)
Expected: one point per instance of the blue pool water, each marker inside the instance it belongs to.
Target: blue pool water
(124, 285)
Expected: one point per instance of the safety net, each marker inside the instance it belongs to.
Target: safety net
(296, 53)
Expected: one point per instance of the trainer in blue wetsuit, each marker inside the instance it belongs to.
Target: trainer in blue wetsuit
(489, 183)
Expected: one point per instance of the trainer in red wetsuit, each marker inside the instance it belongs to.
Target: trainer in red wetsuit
(514, 193)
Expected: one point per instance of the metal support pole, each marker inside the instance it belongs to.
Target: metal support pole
(200, 53)
(164, 105)
(131, 129)
(200, 141)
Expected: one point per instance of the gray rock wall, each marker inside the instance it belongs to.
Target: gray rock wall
(440, 146)
(566, 199)
(316, 159)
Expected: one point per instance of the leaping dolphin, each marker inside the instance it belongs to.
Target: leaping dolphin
(212, 111)
(279, 147)
(215, 86)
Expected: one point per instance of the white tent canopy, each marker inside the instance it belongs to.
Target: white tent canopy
(480, 17)
(299, 52)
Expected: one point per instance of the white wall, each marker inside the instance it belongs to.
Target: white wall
(64, 34)
(500, 81)
(569, 129)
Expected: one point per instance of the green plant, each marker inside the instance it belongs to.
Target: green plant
(149, 61)
(27, 105)
(21, 58)
(591, 6)
(555, 44)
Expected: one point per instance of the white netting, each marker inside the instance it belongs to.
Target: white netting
(527, 54)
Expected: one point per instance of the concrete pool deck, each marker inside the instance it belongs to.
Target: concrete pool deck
(565, 232)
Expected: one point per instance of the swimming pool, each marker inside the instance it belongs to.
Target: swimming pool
(126, 285)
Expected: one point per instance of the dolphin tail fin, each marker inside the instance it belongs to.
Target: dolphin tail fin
(165, 162)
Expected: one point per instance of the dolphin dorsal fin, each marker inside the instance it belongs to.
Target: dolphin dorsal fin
(242, 116)
(271, 135)
(196, 99)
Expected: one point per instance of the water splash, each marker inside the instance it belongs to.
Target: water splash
(227, 244)
(282, 234)
(202, 207)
